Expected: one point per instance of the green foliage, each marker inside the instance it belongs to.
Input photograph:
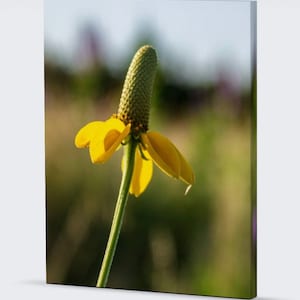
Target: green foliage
(196, 244)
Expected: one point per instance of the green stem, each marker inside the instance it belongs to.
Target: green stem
(129, 154)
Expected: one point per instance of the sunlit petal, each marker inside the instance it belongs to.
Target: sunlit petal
(186, 172)
(167, 157)
(114, 123)
(105, 143)
(86, 133)
(163, 152)
(142, 173)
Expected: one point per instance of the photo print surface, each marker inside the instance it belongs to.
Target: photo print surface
(150, 123)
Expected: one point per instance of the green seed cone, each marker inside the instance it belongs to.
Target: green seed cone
(134, 105)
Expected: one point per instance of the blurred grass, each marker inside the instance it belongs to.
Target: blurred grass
(198, 244)
(201, 243)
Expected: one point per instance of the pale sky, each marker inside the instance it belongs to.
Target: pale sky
(193, 36)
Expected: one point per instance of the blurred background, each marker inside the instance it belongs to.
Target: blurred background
(203, 100)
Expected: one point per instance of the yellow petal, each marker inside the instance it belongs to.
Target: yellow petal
(186, 172)
(167, 157)
(163, 152)
(86, 133)
(106, 141)
(142, 173)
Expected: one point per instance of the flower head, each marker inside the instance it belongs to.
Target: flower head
(131, 121)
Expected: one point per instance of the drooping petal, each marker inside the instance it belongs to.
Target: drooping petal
(186, 172)
(87, 132)
(106, 141)
(167, 157)
(142, 173)
(163, 152)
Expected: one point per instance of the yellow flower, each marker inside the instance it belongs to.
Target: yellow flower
(131, 121)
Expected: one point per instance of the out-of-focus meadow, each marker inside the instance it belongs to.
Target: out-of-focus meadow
(201, 243)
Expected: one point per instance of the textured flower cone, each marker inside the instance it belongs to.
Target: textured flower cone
(134, 105)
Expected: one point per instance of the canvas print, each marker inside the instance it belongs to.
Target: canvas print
(150, 121)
